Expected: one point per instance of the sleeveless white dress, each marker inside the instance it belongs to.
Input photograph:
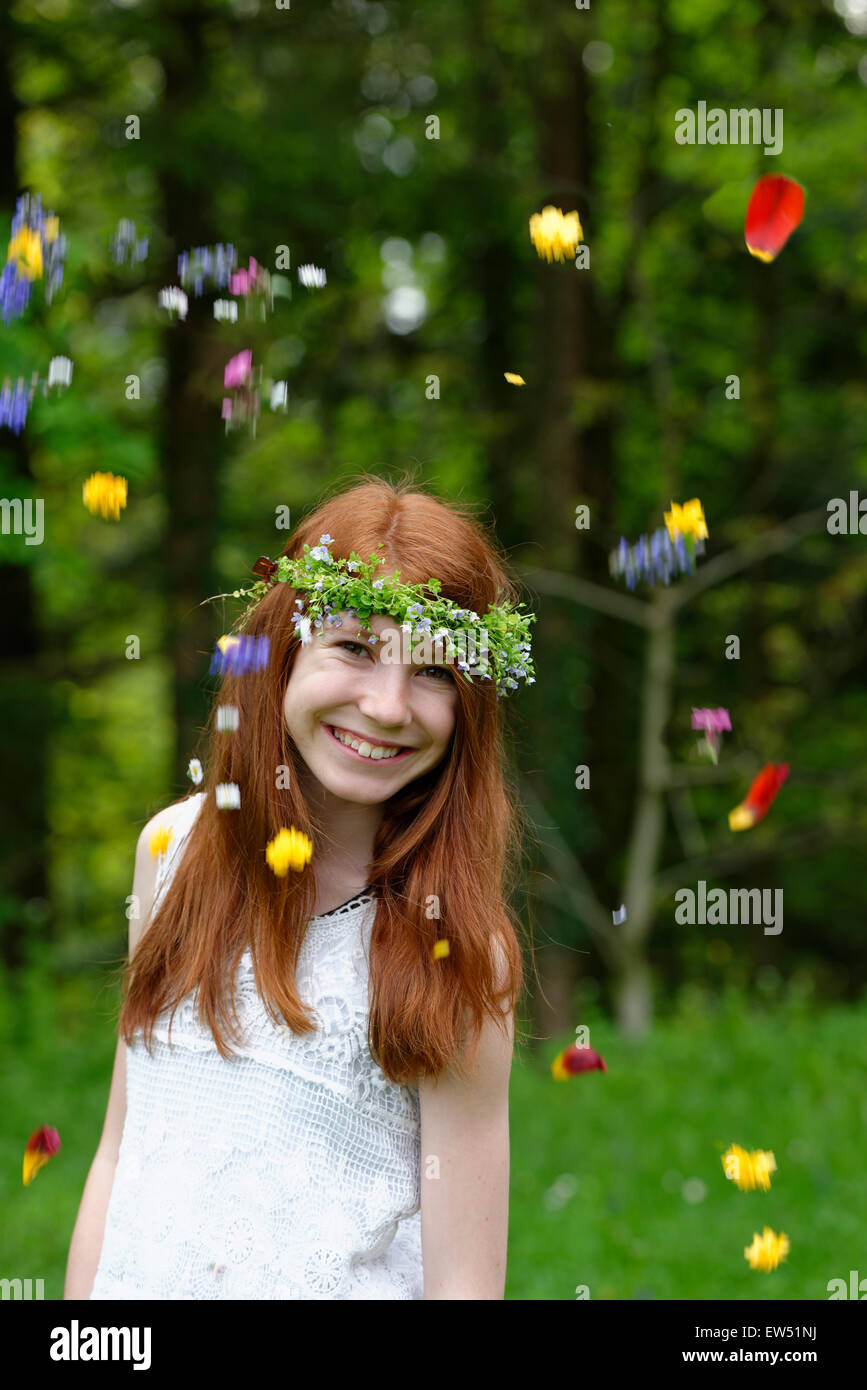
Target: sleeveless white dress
(288, 1171)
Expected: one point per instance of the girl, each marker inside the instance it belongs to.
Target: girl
(264, 1137)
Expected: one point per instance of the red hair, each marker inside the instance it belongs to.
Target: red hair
(454, 832)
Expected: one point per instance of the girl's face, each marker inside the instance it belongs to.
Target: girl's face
(341, 689)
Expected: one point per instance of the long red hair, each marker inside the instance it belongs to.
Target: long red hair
(454, 833)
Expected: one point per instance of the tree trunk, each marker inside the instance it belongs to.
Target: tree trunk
(633, 983)
(192, 435)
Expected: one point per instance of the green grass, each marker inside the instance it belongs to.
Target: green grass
(780, 1077)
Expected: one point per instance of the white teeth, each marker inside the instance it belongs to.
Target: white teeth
(367, 750)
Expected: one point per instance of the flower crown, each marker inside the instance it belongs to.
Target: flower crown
(332, 584)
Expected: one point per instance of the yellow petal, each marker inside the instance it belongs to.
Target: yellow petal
(741, 818)
(33, 1161)
(161, 839)
(558, 1071)
(513, 379)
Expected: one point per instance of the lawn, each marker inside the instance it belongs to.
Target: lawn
(617, 1179)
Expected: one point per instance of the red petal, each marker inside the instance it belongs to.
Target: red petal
(42, 1145)
(44, 1140)
(763, 791)
(775, 210)
(577, 1059)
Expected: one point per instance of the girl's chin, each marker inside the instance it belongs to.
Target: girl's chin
(364, 791)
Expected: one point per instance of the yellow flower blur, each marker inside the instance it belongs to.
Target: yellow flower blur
(767, 1251)
(558, 1071)
(554, 234)
(741, 818)
(440, 949)
(749, 1170)
(290, 849)
(513, 379)
(161, 839)
(104, 495)
(26, 249)
(688, 519)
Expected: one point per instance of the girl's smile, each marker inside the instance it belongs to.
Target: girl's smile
(368, 750)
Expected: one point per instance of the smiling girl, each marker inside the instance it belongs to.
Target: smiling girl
(310, 1092)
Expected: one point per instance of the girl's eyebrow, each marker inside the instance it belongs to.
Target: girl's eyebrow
(350, 628)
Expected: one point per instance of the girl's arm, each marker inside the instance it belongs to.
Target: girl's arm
(86, 1244)
(465, 1210)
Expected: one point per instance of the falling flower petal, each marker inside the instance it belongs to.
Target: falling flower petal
(714, 720)
(513, 379)
(125, 245)
(775, 209)
(104, 495)
(290, 849)
(760, 797)
(160, 840)
(36, 252)
(59, 371)
(660, 557)
(688, 520)
(237, 655)
(619, 915)
(311, 276)
(42, 1145)
(238, 369)
(749, 1170)
(212, 263)
(174, 299)
(768, 1250)
(574, 1060)
(554, 234)
(440, 948)
(227, 718)
(14, 405)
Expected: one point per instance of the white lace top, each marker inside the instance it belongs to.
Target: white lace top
(288, 1171)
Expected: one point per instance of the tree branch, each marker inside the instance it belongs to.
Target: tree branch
(630, 610)
(569, 872)
(726, 862)
(742, 556)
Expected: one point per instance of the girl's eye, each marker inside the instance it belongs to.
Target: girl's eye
(441, 672)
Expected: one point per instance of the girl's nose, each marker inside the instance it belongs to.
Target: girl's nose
(385, 701)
